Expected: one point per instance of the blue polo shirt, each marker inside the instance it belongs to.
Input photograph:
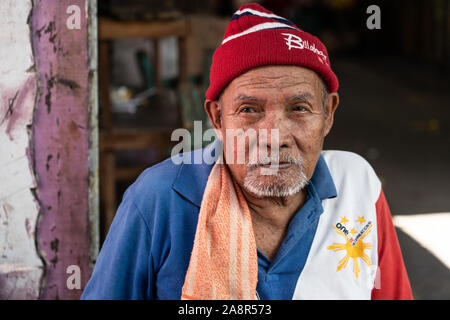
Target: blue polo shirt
(147, 250)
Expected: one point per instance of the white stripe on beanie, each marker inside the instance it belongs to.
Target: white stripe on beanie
(259, 27)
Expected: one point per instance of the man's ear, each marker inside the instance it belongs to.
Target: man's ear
(330, 107)
(214, 111)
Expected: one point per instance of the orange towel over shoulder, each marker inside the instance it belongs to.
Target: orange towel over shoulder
(223, 262)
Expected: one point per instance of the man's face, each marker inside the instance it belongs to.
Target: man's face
(285, 101)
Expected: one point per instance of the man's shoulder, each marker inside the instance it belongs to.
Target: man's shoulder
(349, 169)
(174, 175)
(340, 159)
(159, 177)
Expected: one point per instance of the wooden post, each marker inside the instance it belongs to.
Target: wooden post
(65, 143)
(105, 79)
(156, 65)
(108, 189)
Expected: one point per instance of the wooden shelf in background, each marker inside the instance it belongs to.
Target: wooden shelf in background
(134, 139)
(111, 30)
(113, 139)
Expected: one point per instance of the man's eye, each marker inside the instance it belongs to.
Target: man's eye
(299, 108)
(248, 110)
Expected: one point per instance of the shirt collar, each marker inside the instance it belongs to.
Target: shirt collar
(192, 178)
(323, 181)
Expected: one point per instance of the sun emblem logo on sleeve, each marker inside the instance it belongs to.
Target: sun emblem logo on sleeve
(353, 247)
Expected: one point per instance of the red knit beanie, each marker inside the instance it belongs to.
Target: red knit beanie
(256, 37)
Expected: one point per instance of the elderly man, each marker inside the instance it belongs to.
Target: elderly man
(290, 221)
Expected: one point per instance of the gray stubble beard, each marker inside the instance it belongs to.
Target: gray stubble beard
(283, 184)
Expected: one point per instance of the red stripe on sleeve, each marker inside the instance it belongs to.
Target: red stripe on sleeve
(392, 281)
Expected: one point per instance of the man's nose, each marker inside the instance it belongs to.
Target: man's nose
(279, 131)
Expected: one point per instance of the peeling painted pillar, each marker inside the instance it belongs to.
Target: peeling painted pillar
(62, 142)
(48, 148)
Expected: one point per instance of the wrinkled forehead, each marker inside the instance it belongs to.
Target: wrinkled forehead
(266, 79)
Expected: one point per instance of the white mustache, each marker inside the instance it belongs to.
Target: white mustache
(282, 158)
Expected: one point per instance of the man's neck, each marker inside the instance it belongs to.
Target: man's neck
(276, 211)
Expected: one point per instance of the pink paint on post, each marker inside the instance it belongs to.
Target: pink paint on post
(61, 145)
